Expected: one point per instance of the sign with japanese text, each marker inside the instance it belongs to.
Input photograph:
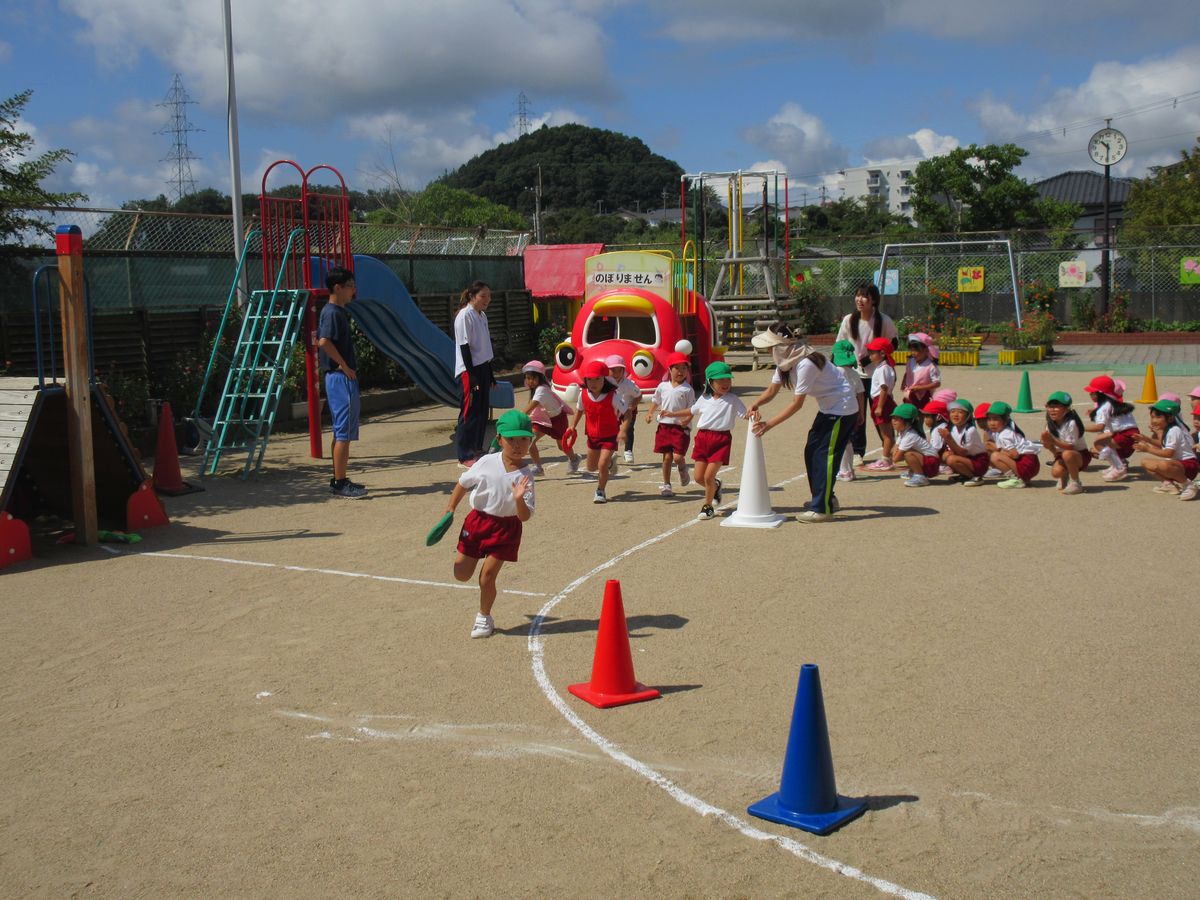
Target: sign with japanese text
(628, 269)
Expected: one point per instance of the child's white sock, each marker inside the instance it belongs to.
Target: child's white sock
(1109, 455)
(847, 462)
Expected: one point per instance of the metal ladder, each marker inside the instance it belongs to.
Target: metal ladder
(743, 301)
(257, 367)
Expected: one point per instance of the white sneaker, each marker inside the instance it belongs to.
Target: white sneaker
(538, 470)
(993, 474)
(664, 490)
(916, 481)
(858, 459)
(973, 482)
(599, 498)
(484, 626)
(685, 477)
(573, 464)
(813, 516)
(706, 512)
(1010, 483)
(1073, 487)
(1117, 474)
(844, 476)
(1190, 491)
(1167, 487)
(945, 470)
(629, 457)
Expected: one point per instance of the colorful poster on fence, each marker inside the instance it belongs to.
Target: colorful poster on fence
(1072, 273)
(970, 280)
(891, 282)
(1189, 271)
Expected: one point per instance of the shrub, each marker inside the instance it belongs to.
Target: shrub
(812, 307)
(1083, 311)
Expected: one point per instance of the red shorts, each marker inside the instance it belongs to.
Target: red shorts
(604, 443)
(980, 463)
(1028, 466)
(671, 439)
(930, 464)
(1190, 467)
(556, 429)
(1085, 454)
(486, 535)
(879, 418)
(712, 446)
(1122, 442)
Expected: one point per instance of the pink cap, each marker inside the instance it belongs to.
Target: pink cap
(1195, 392)
(536, 366)
(616, 361)
(1172, 396)
(945, 395)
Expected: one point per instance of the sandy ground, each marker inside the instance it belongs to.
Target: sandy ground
(1009, 677)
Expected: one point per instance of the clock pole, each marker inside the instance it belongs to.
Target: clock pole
(1106, 261)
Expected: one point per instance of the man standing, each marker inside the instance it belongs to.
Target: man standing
(338, 362)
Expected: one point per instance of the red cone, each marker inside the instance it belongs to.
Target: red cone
(167, 477)
(143, 509)
(613, 683)
(15, 546)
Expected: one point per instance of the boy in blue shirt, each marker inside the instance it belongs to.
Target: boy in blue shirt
(338, 362)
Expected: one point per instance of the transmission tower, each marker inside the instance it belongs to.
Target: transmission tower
(523, 112)
(179, 127)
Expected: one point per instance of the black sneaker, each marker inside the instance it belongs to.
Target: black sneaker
(706, 512)
(348, 490)
(717, 494)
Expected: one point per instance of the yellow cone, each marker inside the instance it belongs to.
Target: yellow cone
(1150, 388)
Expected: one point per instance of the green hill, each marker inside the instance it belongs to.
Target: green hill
(582, 167)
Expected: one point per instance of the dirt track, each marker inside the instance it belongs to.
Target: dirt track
(1009, 678)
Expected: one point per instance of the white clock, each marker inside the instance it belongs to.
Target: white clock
(1107, 147)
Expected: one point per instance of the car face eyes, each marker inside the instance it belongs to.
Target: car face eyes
(643, 363)
(565, 356)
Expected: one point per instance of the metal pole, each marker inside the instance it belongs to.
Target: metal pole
(235, 162)
(1106, 259)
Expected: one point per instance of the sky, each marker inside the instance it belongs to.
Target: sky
(400, 92)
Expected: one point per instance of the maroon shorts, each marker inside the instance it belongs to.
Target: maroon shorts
(671, 439)
(603, 443)
(930, 465)
(712, 446)
(1086, 456)
(486, 535)
(556, 429)
(1028, 466)
(879, 418)
(1190, 467)
(1122, 442)
(980, 463)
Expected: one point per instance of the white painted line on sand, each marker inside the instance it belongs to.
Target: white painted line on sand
(704, 808)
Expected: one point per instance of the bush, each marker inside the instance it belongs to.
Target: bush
(1116, 320)
(1083, 311)
(548, 338)
(812, 307)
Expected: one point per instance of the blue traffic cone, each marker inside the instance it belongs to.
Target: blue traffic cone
(807, 797)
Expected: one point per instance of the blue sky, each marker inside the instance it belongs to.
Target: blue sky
(406, 90)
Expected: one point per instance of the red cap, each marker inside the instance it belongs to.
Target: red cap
(677, 359)
(981, 410)
(936, 408)
(881, 344)
(593, 369)
(1102, 384)
(1196, 410)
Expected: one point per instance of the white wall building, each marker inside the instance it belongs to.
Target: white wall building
(888, 183)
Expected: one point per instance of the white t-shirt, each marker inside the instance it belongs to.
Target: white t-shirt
(471, 328)
(828, 386)
(936, 441)
(718, 413)
(1069, 433)
(493, 485)
(631, 393)
(853, 378)
(866, 334)
(549, 400)
(910, 440)
(673, 398)
(1179, 441)
(1111, 421)
(969, 438)
(884, 378)
(1007, 439)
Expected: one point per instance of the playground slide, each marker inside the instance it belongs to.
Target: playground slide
(391, 321)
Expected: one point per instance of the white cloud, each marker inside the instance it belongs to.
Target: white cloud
(1125, 91)
(799, 141)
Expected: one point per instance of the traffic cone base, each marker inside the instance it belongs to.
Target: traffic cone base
(773, 810)
(612, 681)
(1150, 386)
(754, 497)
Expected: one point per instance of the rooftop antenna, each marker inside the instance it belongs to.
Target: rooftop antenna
(179, 127)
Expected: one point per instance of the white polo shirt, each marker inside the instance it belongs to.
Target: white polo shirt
(828, 386)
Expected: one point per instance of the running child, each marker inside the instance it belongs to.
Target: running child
(548, 414)
(912, 449)
(1172, 449)
(601, 404)
(921, 374)
(630, 393)
(883, 382)
(1063, 437)
(501, 487)
(715, 411)
(966, 454)
(844, 358)
(672, 439)
(1113, 418)
(1012, 453)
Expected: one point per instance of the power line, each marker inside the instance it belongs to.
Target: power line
(179, 127)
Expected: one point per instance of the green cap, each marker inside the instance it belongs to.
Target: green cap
(999, 408)
(514, 423)
(1062, 398)
(905, 411)
(1167, 407)
(843, 354)
(717, 370)
(963, 403)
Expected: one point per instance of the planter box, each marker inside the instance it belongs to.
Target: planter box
(947, 357)
(1133, 337)
(1023, 355)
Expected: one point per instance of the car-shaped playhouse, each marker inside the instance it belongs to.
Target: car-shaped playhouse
(641, 306)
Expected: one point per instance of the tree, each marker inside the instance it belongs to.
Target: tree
(1166, 200)
(974, 189)
(852, 215)
(21, 177)
(439, 204)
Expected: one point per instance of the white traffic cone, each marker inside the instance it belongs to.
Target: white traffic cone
(754, 500)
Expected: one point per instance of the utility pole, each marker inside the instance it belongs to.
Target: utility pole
(537, 207)
(179, 127)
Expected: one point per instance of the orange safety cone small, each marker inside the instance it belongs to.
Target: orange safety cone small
(613, 683)
(15, 545)
(143, 509)
(167, 477)
(1149, 387)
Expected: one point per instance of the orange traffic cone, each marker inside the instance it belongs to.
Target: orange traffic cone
(613, 683)
(1150, 386)
(167, 477)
